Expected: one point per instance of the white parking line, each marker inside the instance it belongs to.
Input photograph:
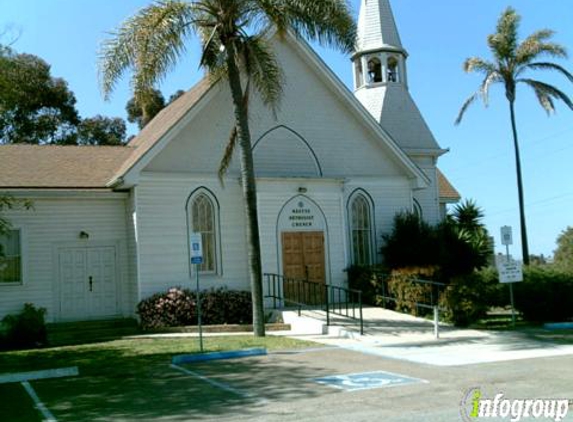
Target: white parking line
(39, 405)
(217, 384)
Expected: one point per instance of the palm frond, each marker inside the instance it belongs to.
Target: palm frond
(465, 106)
(477, 64)
(504, 42)
(536, 45)
(261, 66)
(149, 43)
(228, 155)
(329, 22)
(233, 138)
(549, 66)
(490, 79)
(546, 94)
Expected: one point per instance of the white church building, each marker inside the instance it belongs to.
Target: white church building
(110, 226)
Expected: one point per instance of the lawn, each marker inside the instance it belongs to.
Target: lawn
(124, 379)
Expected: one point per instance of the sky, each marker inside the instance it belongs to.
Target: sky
(438, 35)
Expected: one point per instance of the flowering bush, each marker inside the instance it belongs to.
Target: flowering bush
(178, 307)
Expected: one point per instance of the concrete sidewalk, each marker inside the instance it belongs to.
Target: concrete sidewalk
(398, 336)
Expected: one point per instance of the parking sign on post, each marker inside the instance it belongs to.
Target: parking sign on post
(196, 246)
(196, 251)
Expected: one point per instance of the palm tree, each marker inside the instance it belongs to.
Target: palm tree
(236, 47)
(511, 60)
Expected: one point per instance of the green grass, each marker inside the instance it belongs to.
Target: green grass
(124, 378)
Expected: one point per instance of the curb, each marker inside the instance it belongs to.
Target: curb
(203, 357)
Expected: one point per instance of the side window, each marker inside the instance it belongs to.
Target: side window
(417, 209)
(361, 230)
(11, 257)
(203, 219)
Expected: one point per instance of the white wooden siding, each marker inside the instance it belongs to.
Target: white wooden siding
(56, 222)
(162, 233)
(343, 144)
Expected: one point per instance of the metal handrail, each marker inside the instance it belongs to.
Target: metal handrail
(308, 294)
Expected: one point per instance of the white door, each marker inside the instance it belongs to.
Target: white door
(88, 285)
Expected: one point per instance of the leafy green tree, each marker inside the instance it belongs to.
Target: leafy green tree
(511, 61)
(564, 252)
(101, 130)
(35, 108)
(175, 95)
(143, 110)
(455, 247)
(236, 48)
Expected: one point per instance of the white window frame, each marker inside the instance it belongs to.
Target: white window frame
(359, 193)
(216, 228)
(22, 256)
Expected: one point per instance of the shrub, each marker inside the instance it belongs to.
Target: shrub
(367, 280)
(451, 247)
(26, 329)
(178, 307)
(408, 293)
(546, 294)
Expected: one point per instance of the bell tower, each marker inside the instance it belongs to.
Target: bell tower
(380, 58)
(381, 85)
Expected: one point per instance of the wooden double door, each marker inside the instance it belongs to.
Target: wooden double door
(304, 260)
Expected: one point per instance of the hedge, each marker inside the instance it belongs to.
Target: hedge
(178, 307)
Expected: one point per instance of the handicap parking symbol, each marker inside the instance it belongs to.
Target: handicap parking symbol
(366, 380)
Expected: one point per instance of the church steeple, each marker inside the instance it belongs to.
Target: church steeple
(380, 57)
(380, 79)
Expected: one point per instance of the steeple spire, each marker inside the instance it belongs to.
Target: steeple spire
(376, 27)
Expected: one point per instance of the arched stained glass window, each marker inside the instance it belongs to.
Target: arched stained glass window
(361, 230)
(203, 221)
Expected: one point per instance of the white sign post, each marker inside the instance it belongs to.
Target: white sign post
(510, 271)
(196, 251)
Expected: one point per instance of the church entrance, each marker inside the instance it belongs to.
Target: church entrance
(303, 259)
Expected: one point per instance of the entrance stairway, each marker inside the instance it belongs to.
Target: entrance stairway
(69, 333)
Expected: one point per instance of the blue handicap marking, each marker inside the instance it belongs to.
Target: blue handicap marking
(366, 380)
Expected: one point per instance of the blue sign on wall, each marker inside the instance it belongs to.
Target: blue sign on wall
(366, 380)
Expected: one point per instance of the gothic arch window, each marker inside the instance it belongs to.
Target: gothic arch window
(361, 229)
(392, 69)
(204, 219)
(417, 209)
(374, 70)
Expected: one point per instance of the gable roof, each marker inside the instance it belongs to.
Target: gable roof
(448, 193)
(161, 124)
(151, 136)
(59, 167)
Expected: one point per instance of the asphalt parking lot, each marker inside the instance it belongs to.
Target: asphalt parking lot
(283, 386)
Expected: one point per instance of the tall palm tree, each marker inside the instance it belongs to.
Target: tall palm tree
(234, 37)
(511, 60)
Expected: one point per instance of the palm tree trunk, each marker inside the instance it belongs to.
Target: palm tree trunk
(524, 244)
(248, 184)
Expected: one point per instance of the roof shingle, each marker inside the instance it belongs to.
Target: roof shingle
(52, 166)
(447, 191)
